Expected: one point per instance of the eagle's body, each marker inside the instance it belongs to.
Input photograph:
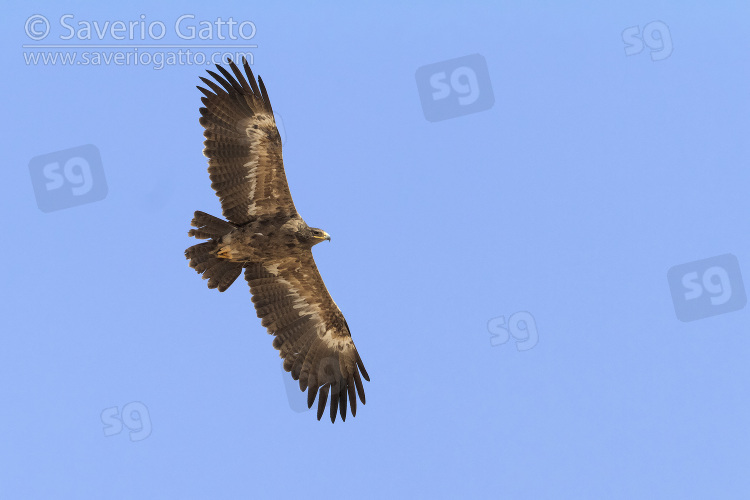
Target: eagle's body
(263, 240)
(266, 237)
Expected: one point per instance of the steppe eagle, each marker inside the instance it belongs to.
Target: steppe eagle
(265, 236)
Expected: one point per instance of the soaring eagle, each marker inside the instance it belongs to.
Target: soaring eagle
(267, 238)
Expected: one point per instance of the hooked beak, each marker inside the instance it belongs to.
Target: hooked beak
(323, 237)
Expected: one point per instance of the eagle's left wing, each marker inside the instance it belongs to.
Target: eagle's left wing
(243, 147)
(311, 332)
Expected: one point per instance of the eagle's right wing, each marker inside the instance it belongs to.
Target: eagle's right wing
(311, 332)
(243, 146)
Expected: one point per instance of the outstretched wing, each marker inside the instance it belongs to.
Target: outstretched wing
(243, 147)
(311, 333)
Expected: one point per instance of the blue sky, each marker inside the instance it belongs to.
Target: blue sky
(539, 231)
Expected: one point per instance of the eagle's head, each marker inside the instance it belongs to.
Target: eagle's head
(315, 235)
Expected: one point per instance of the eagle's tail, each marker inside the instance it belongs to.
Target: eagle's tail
(220, 273)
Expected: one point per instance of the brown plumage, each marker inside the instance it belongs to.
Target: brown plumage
(267, 238)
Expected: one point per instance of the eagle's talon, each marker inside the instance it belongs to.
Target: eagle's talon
(224, 253)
